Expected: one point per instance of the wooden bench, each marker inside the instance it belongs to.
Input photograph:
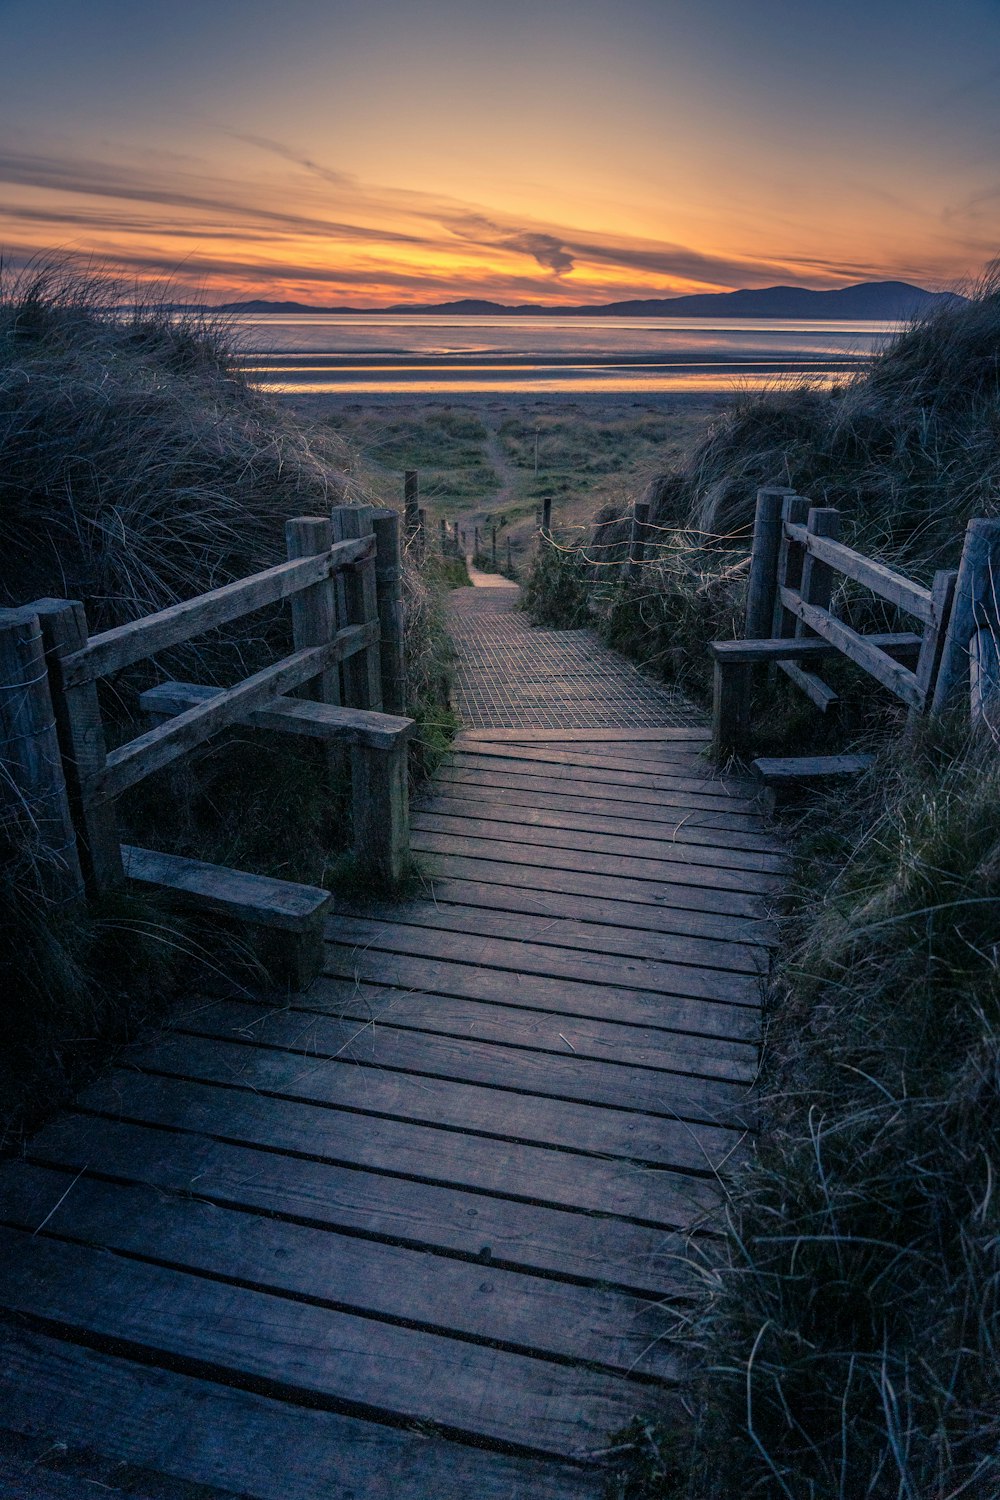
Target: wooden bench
(380, 796)
(297, 910)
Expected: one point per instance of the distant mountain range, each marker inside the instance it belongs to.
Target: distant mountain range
(889, 301)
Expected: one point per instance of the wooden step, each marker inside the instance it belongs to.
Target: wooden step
(795, 770)
(297, 910)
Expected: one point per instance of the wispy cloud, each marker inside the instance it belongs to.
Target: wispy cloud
(271, 231)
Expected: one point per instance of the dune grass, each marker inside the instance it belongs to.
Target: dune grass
(139, 467)
(842, 1334)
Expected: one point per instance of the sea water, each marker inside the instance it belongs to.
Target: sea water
(365, 355)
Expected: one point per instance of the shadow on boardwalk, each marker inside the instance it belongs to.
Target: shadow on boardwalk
(413, 1232)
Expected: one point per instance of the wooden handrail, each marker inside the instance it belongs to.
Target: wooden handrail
(166, 743)
(894, 587)
(898, 679)
(127, 644)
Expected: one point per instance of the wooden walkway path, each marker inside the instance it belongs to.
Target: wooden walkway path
(414, 1234)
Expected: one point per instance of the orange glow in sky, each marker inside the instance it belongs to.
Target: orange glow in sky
(556, 152)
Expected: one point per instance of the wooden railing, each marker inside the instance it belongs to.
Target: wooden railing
(342, 580)
(796, 557)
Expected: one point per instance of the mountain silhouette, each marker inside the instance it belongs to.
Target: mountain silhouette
(889, 301)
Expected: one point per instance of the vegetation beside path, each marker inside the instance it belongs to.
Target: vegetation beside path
(139, 467)
(843, 1334)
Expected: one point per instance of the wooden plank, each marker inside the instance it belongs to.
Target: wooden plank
(492, 892)
(564, 922)
(524, 1314)
(712, 830)
(201, 1432)
(782, 770)
(665, 1090)
(501, 1114)
(911, 597)
(614, 972)
(706, 1023)
(685, 759)
(505, 863)
(700, 778)
(744, 812)
(550, 831)
(522, 1025)
(405, 1148)
(679, 734)
(283, 904)
(162, 745)
(475, 1226)
(320, 721)
(132, 642)
(900, 644)
(815, 689)
(738, 891)
(898, 679)
(305, 1353)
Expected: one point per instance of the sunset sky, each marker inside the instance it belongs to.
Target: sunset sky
(556, 151)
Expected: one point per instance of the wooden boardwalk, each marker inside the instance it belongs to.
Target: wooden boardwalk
(415, 1232)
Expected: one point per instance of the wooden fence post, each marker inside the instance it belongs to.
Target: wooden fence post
(547, 516)
(443, 535)
(34, 782)
(362, 671)
(984, 679)
(380, 811)
(314, 617)
(475, 552)
(314, 610)
(763, 582)
(81, 739)
(637, 541)
(379, 793)
(794, 512)
(977, 592)
(932, 647)
(816, 586)
(730, 709)
(411, 505)
(389, 590)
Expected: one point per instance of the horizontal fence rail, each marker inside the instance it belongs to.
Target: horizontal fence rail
(122, 647)
(796, 557)
(343, 583)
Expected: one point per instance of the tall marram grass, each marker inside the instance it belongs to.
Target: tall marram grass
(139, 466)
(908, 449)
(843, 1333)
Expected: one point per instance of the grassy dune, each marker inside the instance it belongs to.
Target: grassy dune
(843, 1334)
(139, 467)
(477, 462)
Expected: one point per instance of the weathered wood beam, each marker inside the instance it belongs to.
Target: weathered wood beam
(127, 644)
